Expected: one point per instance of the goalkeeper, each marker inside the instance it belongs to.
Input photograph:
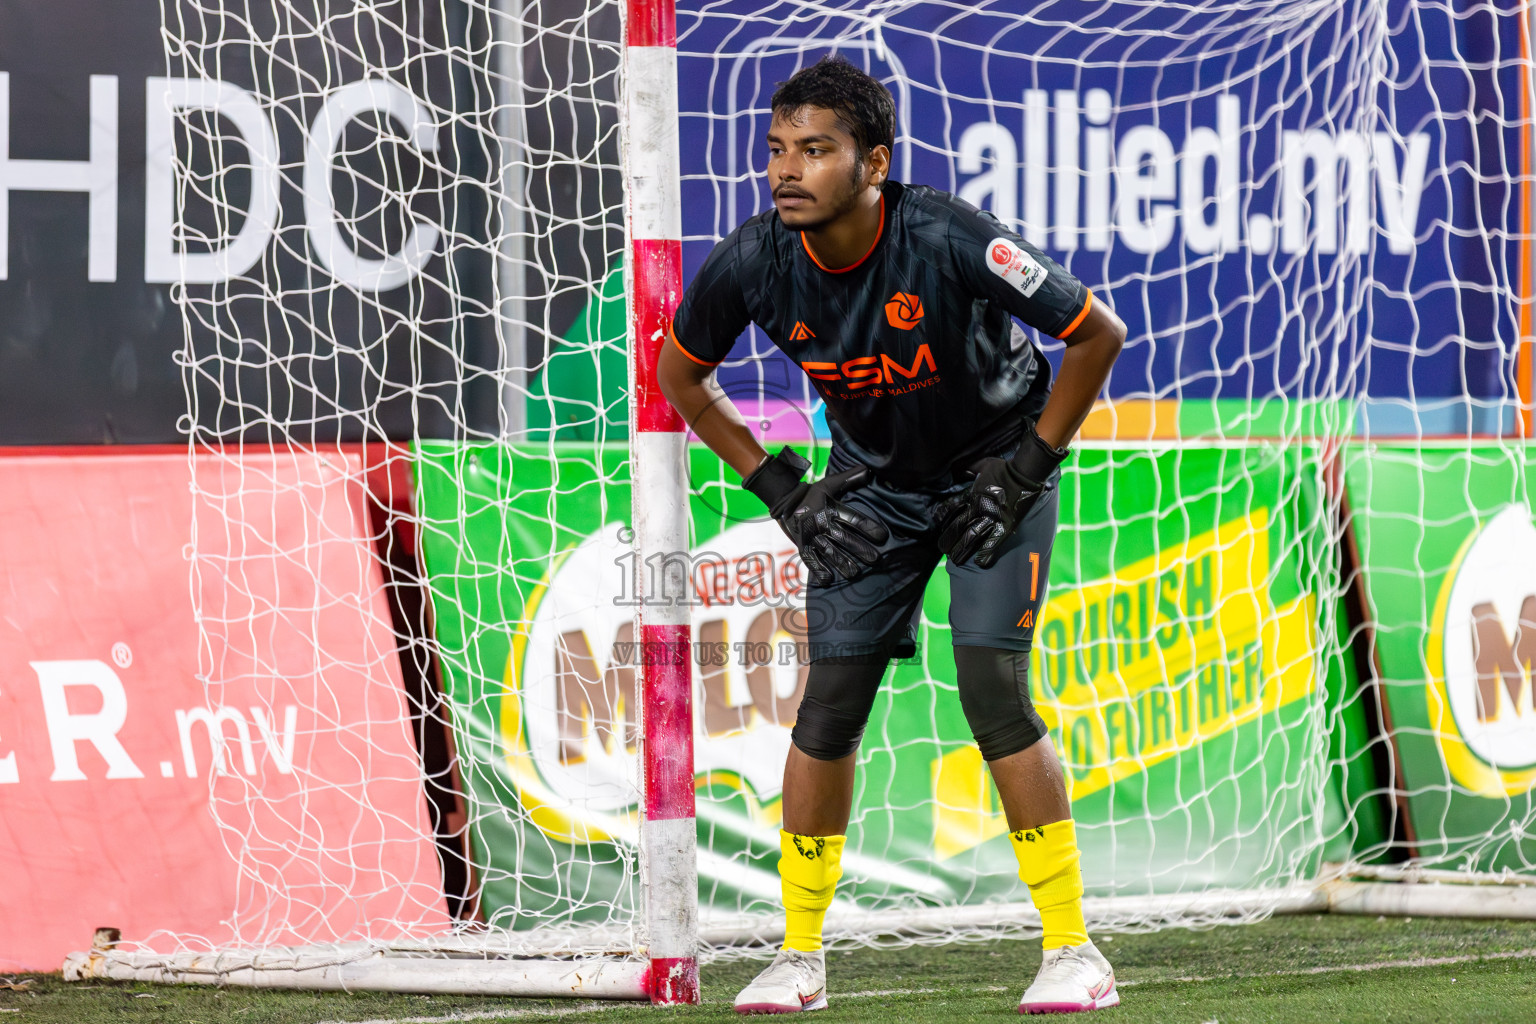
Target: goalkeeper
(899, 302)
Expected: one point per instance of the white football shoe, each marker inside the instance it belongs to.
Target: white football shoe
(795, 981)
(1071, 979)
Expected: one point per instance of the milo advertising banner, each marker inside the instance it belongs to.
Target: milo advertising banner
(1185, 663)
(1448, 552)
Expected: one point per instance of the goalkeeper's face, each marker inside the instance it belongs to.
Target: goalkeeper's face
(816, 171)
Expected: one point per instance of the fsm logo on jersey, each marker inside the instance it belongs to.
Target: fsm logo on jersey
(1482, 649)
(569, 720)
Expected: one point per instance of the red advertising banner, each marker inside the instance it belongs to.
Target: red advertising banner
(280, 800)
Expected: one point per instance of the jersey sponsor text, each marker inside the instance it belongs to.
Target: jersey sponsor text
(869, 371)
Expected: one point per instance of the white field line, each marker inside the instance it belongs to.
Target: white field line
(589, 1007)
(471, 1015)
(1418, 961)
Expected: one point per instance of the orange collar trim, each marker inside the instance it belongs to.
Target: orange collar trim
(879, 230)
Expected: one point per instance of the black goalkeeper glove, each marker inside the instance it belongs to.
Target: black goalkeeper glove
(975, 524)
(830, 535)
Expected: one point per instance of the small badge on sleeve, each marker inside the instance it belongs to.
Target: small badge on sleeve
(1015, 266)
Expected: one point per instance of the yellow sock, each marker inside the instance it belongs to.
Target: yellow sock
(809, 867)
(1048, 864)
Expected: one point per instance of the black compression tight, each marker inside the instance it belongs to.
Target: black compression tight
(839, 693)
(994, 691)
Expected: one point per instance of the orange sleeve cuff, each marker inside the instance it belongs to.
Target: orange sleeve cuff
(1077, 319)
(690, 355)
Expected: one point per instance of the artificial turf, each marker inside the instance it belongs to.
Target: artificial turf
(1287, 970)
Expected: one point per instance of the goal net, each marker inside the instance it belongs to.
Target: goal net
(401, 249)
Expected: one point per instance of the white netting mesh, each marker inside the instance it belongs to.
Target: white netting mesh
(1307, 213)
(393, 222)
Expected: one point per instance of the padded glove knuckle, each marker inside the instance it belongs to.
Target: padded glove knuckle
(830, 534)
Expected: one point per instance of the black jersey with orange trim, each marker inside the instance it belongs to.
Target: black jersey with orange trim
(914, 348)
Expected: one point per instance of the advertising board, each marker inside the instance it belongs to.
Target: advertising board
(251, 783)
(1271, 220)
(1187, 662)
(1447, 552)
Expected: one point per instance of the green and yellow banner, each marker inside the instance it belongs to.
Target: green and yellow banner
(1447, 549)
(1188, 661)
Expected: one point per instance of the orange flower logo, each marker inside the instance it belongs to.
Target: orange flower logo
(904, 311)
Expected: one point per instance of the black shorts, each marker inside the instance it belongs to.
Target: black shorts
(879, 611)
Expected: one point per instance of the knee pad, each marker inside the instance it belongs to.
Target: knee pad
(839, 693)
(994, 692)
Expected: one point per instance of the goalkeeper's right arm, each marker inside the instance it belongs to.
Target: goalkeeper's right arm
(693, 391)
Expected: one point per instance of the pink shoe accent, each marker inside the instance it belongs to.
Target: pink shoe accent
(815, 1002)
(1108, 999)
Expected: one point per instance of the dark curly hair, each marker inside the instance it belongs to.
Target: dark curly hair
(863, 107)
